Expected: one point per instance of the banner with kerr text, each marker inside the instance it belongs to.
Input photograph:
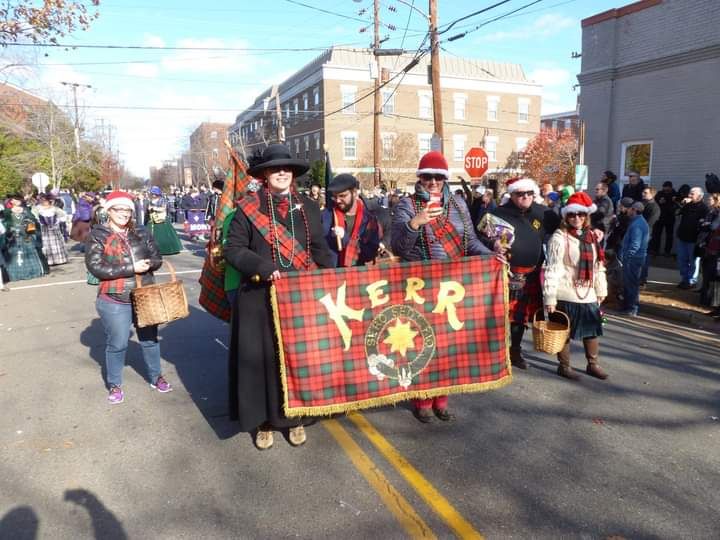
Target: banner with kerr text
(353, 338)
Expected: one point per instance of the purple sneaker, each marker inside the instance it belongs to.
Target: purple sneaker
(116, 395)
(161, 385)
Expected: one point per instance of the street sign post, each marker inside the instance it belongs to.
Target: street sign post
(476, 162)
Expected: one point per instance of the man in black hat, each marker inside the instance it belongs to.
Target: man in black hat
(351, 230)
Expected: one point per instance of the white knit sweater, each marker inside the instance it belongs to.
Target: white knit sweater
(561, 270)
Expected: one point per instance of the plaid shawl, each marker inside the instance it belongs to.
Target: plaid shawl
(587, 264)
(443, 230)
(115, 248)
(288, 245)
(351, 250)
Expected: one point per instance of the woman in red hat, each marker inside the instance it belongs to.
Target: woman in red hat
(575, 282)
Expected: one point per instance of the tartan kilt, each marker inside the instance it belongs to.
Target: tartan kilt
(53, 246)
(526, 301)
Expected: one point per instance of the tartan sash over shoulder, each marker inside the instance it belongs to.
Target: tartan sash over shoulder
(114, 250)
(444, 231)
(289, 246)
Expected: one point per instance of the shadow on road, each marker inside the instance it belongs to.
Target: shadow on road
(105, 525)
(20, 523)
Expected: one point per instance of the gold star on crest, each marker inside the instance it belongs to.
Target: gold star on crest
(400, 337)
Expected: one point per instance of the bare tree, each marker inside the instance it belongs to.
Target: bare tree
(52, 19)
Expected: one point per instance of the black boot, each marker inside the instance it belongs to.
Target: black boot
(516, 335)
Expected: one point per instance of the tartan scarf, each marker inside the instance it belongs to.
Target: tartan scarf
(114, 250)
(442, 229)
(351, 250)
(288, 244)
(586, 263)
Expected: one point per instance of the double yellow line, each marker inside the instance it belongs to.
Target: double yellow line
(413, 524)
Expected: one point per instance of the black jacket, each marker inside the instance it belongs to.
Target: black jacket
(634, 191)
(531, 227)
(142, 246)
(691, 214)
(667, 204)
(651, 213)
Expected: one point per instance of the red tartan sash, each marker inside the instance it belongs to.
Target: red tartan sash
(288, 245)
(445, 232)
(351, 251)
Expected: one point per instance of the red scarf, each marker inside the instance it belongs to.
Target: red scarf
(586, 264)
(351, 250)
(115, 248)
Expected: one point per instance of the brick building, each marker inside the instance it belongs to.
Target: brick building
(19, 108)
(208, 156)
(485, 103)
(561, 122)
(650, 90)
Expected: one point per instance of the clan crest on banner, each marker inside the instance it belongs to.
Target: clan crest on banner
(366, 336)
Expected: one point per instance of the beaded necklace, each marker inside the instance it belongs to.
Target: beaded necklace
(275, 241)
(424, 243)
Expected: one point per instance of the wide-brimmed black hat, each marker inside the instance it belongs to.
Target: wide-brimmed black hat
(343, 182)
(277, 155)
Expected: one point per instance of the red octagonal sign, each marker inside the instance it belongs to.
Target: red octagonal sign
(476, 162)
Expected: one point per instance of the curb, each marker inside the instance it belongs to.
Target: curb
(692, 318)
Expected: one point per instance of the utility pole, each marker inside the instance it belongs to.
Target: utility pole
(435, 73)
(74, 87)
(376, 96)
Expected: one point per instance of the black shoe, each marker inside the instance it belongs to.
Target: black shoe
(424, 415)
(444, 415)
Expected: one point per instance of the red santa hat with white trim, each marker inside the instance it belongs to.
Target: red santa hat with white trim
(522, 184)
(579, 202)
(119, 199)
(433, 163)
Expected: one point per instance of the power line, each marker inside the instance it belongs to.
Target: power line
(335, 13)
(503, 16)
(164, 48)
(453, 23)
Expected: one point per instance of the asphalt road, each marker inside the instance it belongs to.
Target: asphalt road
(636, 456)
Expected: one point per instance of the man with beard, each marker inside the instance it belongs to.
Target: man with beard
(351, 230)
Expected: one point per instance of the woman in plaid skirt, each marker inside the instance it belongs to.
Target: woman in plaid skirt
(50, 218)
(22, 243)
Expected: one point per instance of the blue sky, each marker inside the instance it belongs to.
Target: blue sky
(216, 85)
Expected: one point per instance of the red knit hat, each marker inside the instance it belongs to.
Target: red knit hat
(522, 184)
(579, 202)
(433, 163)
(119, 198)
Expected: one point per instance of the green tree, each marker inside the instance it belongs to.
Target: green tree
(317, 171)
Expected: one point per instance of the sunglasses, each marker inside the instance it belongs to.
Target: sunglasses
(524, 193)
(572, 215)
(431, 177)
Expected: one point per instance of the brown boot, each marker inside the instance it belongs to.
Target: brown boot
(516, 358)
(564, 369)
(592, 350)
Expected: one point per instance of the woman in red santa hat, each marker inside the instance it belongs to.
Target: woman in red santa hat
(433, 224)
(575, 282)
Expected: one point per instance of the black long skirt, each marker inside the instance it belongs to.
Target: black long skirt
(585, 318)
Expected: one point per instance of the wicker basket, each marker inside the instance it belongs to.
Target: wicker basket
(550, 336)
(161, 302)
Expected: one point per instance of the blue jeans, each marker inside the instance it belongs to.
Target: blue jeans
(688, 264)
(645, 269)
(632, 269)
(117, 320)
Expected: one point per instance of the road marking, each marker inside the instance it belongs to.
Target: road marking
(433, 498)
(85, 281)
(395, 502)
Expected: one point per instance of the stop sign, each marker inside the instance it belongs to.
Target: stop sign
(476, 162)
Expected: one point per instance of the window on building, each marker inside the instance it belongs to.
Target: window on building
(306, 141)
(459, 147)
(295, 107)
(459, 101)
(316, 137)
(287, 111)
(491, 147)
(297, 147)
(349, 142)
(261, 122)
(424, 143)
(568, 125)
(520, 144)
(316, 97)
(305, 103)
(215, 154)
(213, 134)
(493, 103)
(636, 156)
(349, 95)
(388, 145)
(388, 101)
(523, 110)
(425, 105)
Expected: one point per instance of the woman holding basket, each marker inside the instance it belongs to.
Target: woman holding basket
(575, 282)
(115, 252)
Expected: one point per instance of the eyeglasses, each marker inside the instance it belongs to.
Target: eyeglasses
(524, 193)
(279, 168)
(572, 215)
(431, 177)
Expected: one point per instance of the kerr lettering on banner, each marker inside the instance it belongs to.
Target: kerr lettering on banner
(366, 336)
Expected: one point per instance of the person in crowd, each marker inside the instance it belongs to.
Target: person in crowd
(634, 187)
(212, 200)
(483, 202)
(605, 209)
(665, 198)
(610, 178)
(22, 242)
(141, 208)
(276, 210)
(575, 282)
(160, 226)
(116, 252)
(81, 218)
(692, 211)
(708, 244)
(68, 205)
(50, 218)
(633, 252)
(433, 224)
(3, 271)
(349, 221)
(651, 215)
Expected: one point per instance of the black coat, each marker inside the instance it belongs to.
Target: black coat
(531, 227)
(634, 191)
(255, 393)
(651, 213)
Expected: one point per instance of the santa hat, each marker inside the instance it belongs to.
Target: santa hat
(119, 198)
(433, 163)
(522, 184)
(579, 202)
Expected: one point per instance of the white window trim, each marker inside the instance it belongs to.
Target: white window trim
(459, 139)
(524, 101)
(316, 96)
(492, 139)
(387, 135)
(346, 89)
(623, 147)
(349, 134)
(391, 101)
(460, 98)
(424, 94)
(496, 101)
(316, 136)
(422, 137)
(306, 102)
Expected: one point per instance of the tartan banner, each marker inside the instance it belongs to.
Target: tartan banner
(353, 338)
